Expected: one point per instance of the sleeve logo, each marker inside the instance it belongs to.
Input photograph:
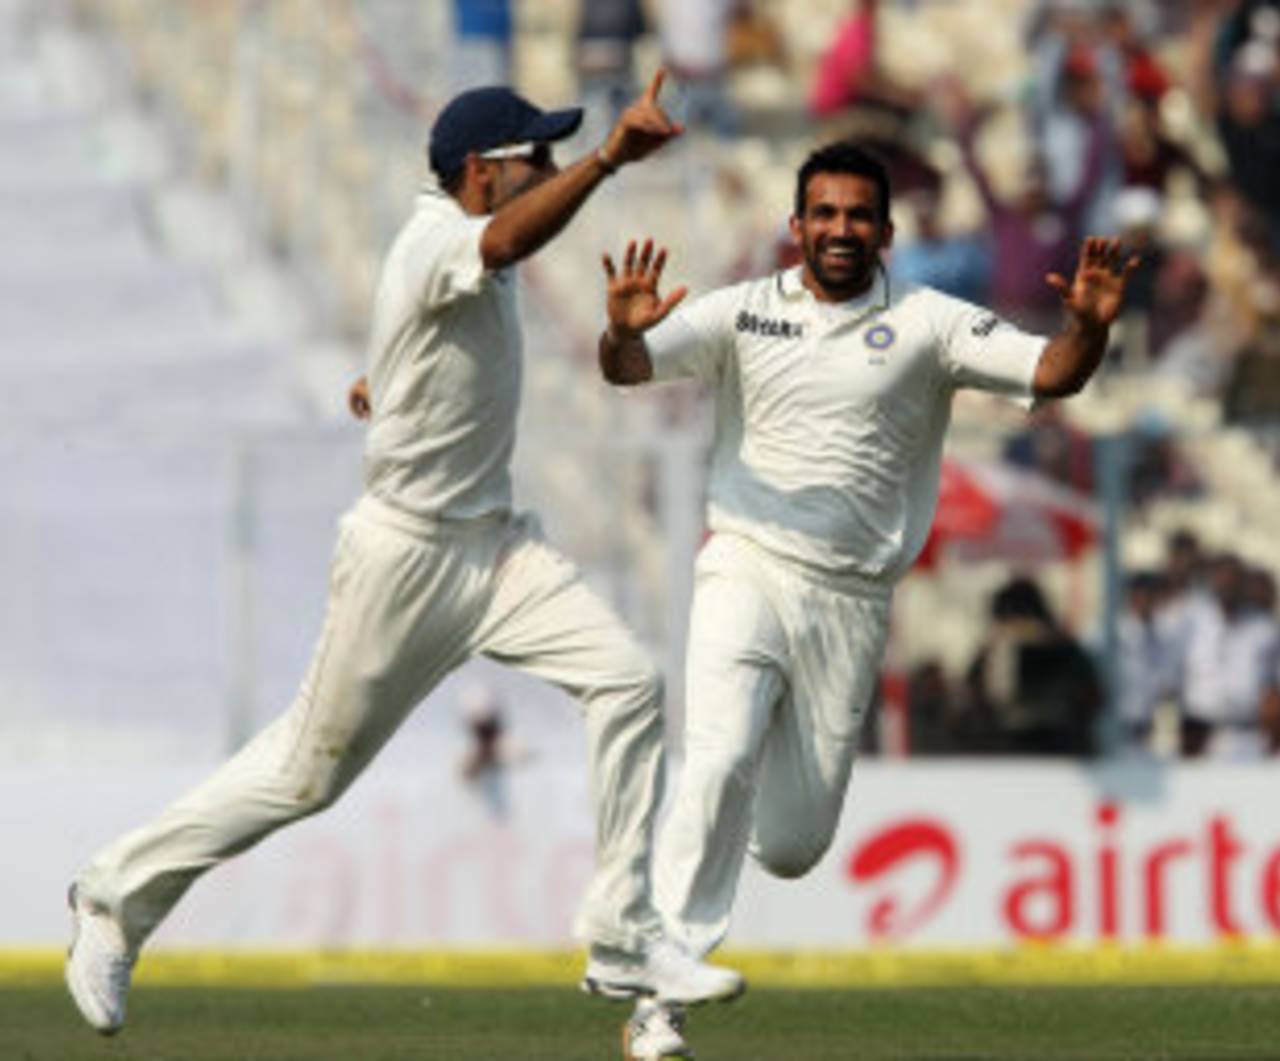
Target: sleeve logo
(986, 326)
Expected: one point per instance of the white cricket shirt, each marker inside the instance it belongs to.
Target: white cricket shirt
(444, 370)
(1228, 665)
(830, 417)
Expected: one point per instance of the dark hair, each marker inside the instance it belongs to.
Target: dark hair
(844, 156)
(1020, 598)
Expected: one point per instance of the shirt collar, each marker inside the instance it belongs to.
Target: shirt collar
(433, 196)
(791, 287)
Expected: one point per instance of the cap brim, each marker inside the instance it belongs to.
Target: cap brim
(554, 125)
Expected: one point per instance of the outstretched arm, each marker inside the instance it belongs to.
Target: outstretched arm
(1092, 301)
(529, 221)
(634, 306)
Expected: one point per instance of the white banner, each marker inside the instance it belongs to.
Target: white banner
(970, 853)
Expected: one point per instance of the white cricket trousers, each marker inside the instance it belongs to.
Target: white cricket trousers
(408, 602)
(781, 668)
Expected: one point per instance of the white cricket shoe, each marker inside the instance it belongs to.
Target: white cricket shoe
(677, 976)
(616, 974)
(665, 970)
(99, 965)
(655, 1031)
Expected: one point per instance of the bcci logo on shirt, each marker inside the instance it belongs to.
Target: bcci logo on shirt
(880, 338)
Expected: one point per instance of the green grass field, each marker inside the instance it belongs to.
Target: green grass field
(557, 1024)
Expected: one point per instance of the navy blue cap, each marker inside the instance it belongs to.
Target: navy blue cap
(484, 118)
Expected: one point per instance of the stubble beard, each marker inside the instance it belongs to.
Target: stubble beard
(841, 289)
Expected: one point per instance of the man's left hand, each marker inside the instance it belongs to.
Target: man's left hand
(1096, 293)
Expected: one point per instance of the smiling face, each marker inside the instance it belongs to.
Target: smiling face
(841, 233)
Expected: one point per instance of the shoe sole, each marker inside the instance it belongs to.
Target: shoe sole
(614, 992)
(106, 1030)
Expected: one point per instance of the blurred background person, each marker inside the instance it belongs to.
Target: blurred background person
(1148, 666)
(604, 56)
(481, 53)
(1032, 232)
(694, 36)
(958, 263)
(1031, 685)
(1229, 655)
(491, 750)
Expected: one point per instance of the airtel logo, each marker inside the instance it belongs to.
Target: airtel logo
(907, 841)
(1041, 895)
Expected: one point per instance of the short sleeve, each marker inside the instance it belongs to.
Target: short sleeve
(694, 341)
(979, 350)
(442, 259)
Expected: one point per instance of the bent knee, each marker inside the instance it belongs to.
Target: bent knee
(793, 857)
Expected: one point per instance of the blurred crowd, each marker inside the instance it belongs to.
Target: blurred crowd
(1156, 120)
(1198, 670)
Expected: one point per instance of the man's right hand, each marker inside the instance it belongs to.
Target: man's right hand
(642, 128)
(632, 300)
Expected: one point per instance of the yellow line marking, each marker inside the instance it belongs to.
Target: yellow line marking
(1240, 963)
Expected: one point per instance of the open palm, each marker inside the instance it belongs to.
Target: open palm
(632, 299)
(1095, 293)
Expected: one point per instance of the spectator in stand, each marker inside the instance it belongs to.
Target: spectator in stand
(491, 751)
(1197, 324)
(1230, 665)
(849, 73)
(854, 97)
(1148, 156)
(1032, 683)
(1260, 595)
(1051, 446)
(754, 38)
(1184, 574)
(694, 36)
(1157, 467)
(1246, 63)
(1075, 113)
(1147, 660)
(481, 51)
(1260, 591)
(1249, 124)
(1136, 213)
(604, 56)
(957, 263)
(1178, 298)
(1031, 236)
(932, 719)
(1144, 76)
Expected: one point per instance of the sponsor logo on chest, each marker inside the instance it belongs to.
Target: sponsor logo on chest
(772, 327)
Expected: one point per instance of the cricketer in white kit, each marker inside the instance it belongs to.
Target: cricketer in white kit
(432, 567)
(833, 393)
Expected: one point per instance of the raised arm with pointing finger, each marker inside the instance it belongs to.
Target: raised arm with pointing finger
(521, 225)
(435, 566)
